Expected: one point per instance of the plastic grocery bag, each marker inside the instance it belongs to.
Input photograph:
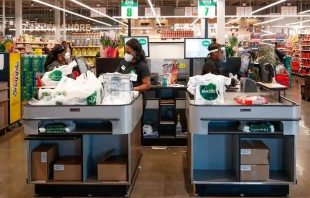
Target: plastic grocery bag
(52, 78)
(208, 89)
(66, 69)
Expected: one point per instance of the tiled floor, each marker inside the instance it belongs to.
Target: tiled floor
(164, 173)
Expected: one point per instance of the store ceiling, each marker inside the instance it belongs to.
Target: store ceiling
(174, 3)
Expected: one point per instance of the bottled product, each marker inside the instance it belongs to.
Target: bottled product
(178, 128)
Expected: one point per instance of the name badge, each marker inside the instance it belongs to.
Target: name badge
(123, 67)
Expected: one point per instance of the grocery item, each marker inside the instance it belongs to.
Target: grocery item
(57, 126)
(256, 127)
(251, 100)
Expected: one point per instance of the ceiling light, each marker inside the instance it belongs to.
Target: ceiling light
(152, 8)
(269, 21)
(232, 21)
(289, 26)
(94, 10)
(64, 10)
(268, 6)
(303, 12)
(297, 23)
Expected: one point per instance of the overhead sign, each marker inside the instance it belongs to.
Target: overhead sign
(78, 27)
(288, 10)
(206, 9)
(149, 12)
(188, 11)
(129, 9)
(100, 9)
(244, 11)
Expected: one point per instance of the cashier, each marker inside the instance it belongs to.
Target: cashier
(135, 62)
(212, 65)
(55, 58)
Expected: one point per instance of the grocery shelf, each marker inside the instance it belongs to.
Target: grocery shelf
(87, 56)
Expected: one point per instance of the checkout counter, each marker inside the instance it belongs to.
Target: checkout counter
(215, 151)
(100, 130)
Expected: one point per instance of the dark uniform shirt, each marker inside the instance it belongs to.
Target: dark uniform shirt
(141, 69)
(212, 67)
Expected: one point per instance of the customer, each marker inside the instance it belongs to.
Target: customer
(55, 58)
(215, 56)
(135, 62)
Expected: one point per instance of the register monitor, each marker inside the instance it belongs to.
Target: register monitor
(82, 65)
(196, 47)
(144, 41)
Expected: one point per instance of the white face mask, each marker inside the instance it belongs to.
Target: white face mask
(128, 57)
(67, 56)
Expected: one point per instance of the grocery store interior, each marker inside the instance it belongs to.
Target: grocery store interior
(154, 98)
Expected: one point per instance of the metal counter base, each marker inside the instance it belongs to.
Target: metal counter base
(242, 190)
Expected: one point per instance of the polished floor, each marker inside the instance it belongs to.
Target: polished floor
(163, 174)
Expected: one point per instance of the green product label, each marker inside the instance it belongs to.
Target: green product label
(55, 75)
(133, 71)
(208, 92)
(206, 43)
(91, 100)
(142, 41)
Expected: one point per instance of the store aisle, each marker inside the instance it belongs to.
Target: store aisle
(164, 173)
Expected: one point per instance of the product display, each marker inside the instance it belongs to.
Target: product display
(32, 66)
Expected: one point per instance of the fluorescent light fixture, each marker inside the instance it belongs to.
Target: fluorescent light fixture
(164, 17)
(267, 32)
(268, 6)
(64, 10)
(232, 21)
(290, 26)
(152, 8)
(232, 27)
(194, 22)
(303, 12)
(269, 21)
(298, 23)
(102, 14)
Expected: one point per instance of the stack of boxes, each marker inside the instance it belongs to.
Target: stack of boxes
(255, 159)
(46, 164)
(305, 88)
(31, 67)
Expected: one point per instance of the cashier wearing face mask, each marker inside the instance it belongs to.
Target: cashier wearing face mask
(216, 55)
(135, 62)
(55, 58)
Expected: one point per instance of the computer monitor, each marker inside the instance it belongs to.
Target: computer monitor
(81, 65)
(196, 47)
(144, 41)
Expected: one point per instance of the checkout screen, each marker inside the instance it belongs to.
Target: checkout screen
(197, 48)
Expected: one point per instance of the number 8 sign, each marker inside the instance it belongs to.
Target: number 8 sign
(129, 9)
(206, 9)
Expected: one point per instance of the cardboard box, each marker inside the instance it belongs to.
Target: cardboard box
(254, 172)
(113, 168)
(68, 168)
(42, 159)
(4, 114)
(254, 152)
